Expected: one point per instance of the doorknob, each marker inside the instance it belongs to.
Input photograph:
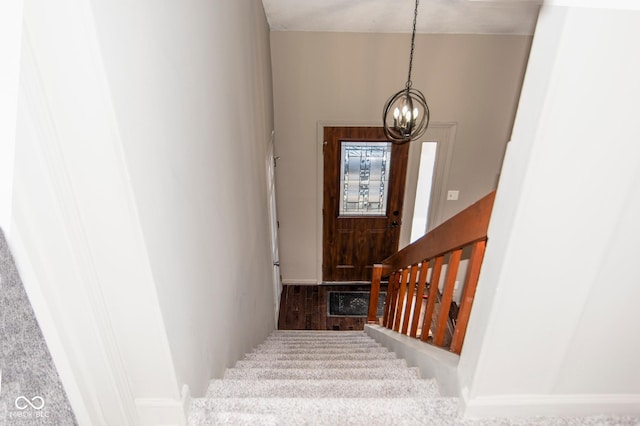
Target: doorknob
(394, 224)
(276, 263)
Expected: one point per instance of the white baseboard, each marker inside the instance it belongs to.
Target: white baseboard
(552, 405)
(299, 282)
(164, 411)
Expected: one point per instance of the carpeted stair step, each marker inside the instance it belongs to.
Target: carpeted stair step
(320, 356)
(236, 419)
(321, 339)
(324, 374)
(350, 340)
(338, 411)
(363, 344)
(316, 335)
(317, 364)
(322, 349)
(323, 389)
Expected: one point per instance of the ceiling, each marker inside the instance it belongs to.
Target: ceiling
(396, 16)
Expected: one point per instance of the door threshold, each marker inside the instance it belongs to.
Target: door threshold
(348, 282)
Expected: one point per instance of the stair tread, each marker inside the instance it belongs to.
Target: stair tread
(314, 347)
(315, 364)
(320, 356)
(320, 342)
(229, 388)
(320, 339)
(322, 349)
(316, 335)
(328, 373)
(235, 419)
(365, 411)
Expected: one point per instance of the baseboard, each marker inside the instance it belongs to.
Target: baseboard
(551, 405)
(299, 282)
(164, 411)
(314, 282)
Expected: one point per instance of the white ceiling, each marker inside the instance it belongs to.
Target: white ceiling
(396, 16)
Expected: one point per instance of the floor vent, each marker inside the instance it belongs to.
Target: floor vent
(352, 303)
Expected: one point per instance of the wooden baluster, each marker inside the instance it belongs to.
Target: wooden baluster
(433, 295)
(409, 306)
(417, 310)
(402, 312)
(391, 300)
(468, 293)
(401, 297)
(374, 295)
(447, 296)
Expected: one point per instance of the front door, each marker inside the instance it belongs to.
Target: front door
(364, 178)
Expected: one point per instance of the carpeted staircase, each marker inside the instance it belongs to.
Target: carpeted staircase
(339, 378)
(321, 377)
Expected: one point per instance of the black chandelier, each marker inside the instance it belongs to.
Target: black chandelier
(406, 114)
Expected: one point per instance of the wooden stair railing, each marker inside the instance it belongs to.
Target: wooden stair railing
(416, 270)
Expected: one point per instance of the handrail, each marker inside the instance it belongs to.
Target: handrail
(413, 269)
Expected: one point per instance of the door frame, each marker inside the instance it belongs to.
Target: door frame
(271, 164)
(443, 132)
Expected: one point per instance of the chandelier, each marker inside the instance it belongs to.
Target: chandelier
(406, 114)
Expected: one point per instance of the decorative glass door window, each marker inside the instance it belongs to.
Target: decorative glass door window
(364, 178)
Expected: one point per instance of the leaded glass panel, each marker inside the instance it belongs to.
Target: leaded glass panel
(364, 178)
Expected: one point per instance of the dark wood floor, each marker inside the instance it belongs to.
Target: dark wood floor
(305, 307)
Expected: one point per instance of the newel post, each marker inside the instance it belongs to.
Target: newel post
(372, 318)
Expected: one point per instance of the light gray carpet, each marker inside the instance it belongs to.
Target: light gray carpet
(338, 378)
(31, 392)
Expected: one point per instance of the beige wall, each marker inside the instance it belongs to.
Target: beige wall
(347, 77)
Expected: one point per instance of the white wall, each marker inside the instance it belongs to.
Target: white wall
(191, 85)
(10, 34)
(139, 216)
(473, 81)
(75, 229)
(59, 287)
(554, 324)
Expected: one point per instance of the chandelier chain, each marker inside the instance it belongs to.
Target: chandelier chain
(405, 115)
(413, 38)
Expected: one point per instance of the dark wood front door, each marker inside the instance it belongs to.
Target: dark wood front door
(364, 178)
